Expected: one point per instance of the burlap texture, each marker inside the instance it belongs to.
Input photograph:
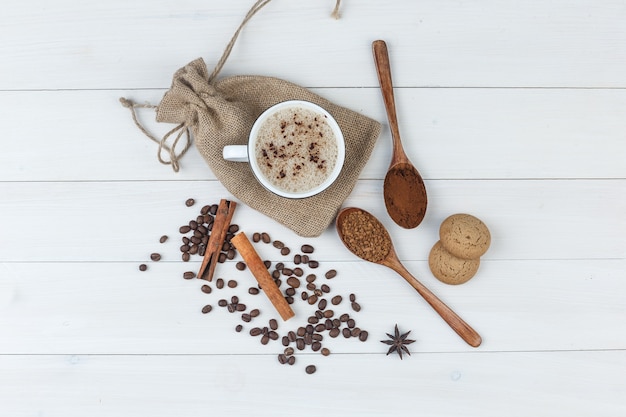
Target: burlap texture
(222, 113)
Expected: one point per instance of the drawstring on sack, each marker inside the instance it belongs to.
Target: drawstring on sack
(182, 129)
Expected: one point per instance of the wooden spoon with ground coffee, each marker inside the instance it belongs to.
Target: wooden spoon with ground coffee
(368, 239)
(404, 190)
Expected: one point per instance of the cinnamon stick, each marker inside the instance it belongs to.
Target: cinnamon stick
(223, 216)
(262, 275)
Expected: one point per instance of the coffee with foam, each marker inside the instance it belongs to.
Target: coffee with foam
(296, 149)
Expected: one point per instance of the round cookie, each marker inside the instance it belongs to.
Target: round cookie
(464, 236)
(448, 268)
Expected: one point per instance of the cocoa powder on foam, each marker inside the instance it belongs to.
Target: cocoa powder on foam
(296, 149)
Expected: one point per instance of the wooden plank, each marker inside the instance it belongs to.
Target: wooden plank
(122, 221)
(521, 133)
(537, 43)
(515, 384)
(113, 308)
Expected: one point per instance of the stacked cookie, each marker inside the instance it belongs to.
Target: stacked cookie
(455, 258)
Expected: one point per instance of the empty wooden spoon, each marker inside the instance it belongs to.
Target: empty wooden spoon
(368, 239)
(404, 190)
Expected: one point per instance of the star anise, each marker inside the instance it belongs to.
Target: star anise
(398, 342)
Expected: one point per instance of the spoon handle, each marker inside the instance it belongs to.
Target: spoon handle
(383, 69)
(454, 321)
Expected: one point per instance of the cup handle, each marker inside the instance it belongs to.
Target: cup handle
(235, 153)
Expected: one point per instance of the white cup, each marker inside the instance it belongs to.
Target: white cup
(293, 154)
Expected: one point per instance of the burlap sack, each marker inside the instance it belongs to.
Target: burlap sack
(222, 112)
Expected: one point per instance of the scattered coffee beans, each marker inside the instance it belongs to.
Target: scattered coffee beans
(206, 289)
(190, 202)
(163, 239)
(307, 249)
(155, 257)
(189, 275)
(207, 308)
(310, 369)
(143, 267)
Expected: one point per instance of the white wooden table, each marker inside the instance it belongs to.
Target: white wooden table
(514, 112)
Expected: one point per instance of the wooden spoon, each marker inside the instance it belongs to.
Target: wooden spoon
(404, 190)
(368, 239)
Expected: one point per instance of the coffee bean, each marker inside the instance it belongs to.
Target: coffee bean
(238, 328)
(300, 344)
(231, 254)
(163, 239)
(307, 249)
(363, 335)
(255, 312)
(290, 292)
(193, 250)
(265, 339)
(334, 332)
(265, 237)
(356, 306)
(328, 323)
(232, 283)
(193, 224)
(310, 278)
(240, 266)
(305, 259)
(246, 317)
(155, 257)
(189, 275)
(297, 259)
(312, 299)
(219, 283)
(213, 209)
(273, 335)
(232, 308)
(202, 231)
(190, 202)
(322, 304)
(313, 264)
(304, 296)
(205, 210)
(285, 341)
(318, 292)
(256, 237)
(288, 351)
(352, 297)
(355, 332)
(233, 228)
(311, 286)
(285, 251)
(315, 346)
(319, 314)
(207, 308)
(325, 288)
(286, 271)
(344, 317)
(320, 327)
(273, 324)
(143, 267)
(221, 258)
(184, 229)
(309, 328)
(325, 351)
(184, 248)
(291, 360)
(336, 323)
(206, 289)
(317, 337)
(351, 323)
(186, 257)
(293, 282)
(329, 313)
(313, 320)
(255, 331)
(290, 300)
(331, 274)
(241, 307)
(336, 300)
(278, 244)
(282, 359)
(308, 339)
(346, 333)
(298, 272)
(310, 369)
(253, 290)
(267, 264)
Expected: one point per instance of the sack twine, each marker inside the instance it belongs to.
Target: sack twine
(174, 157)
